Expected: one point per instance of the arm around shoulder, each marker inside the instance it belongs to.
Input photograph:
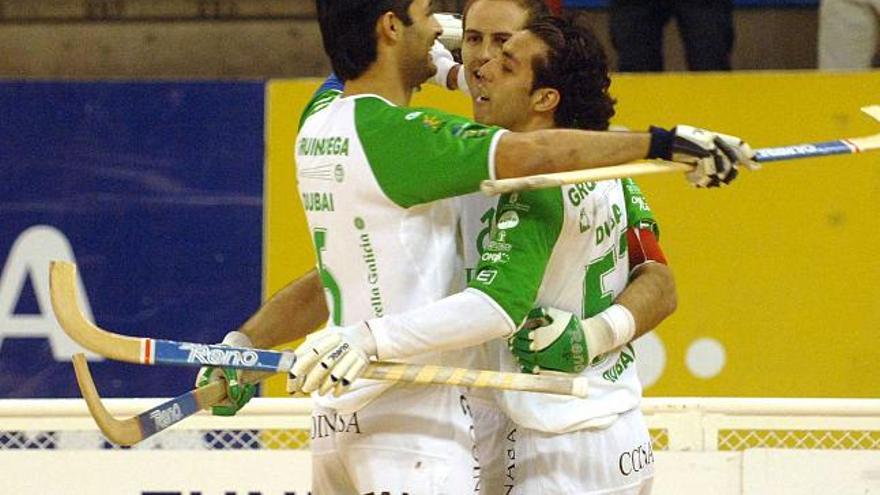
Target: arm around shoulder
(650, 296)
(290, 314)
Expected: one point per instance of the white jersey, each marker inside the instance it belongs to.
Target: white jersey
(564, 248)
(370, 175)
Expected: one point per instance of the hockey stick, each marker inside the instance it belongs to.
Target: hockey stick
(144, 350)
(762, 155)
(137, 428)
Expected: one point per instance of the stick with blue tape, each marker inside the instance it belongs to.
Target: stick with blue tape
(135, 429)
(763, 155)
(143, 350)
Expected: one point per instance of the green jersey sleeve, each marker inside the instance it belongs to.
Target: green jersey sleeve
(420, 155)
(527, 227)
(320, 100)
(638, 213)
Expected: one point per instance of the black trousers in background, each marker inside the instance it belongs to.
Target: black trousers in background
(706, 28)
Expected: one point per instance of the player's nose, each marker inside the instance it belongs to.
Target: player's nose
(485, 53)
(484, 73)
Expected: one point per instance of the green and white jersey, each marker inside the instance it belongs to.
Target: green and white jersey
(566, 248)
(476, 217)
(370, 175)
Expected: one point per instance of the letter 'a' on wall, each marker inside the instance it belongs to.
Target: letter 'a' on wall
(155, 190)
(28, 262)
(776, 280)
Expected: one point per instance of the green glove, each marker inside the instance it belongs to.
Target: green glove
(551, 339)
(237, 393)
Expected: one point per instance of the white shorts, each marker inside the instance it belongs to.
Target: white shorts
(492, 428)
(411, 440)
(616, 460)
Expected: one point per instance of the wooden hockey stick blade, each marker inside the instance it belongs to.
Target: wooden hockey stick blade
(872, 111)
(868, 143)
(135, 429)
(142, 350)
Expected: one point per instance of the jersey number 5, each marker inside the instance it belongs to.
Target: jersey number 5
(327, 280)
(596, 297)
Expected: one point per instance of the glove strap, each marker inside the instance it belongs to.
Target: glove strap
(661, 143)
(618, 329)
(622, 323)
(361, 336)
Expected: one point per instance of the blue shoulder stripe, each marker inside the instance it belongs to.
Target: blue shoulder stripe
(332, 82)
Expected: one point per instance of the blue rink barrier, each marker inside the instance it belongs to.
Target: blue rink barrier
(155, 190)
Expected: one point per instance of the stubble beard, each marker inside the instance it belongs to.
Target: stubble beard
(417, 66)
(415, 72)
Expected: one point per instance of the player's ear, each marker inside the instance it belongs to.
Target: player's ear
(388, 27)
(545, 99)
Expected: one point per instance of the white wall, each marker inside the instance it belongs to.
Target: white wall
(287, 472)
(130, 472)
(768, 472)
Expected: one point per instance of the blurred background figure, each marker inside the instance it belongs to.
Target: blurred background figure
(849, 31)
(555, 6)
(706, 28)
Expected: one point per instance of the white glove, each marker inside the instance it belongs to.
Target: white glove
(331, 359)
(715, 156)
(452, 30)
(744, 151)
(444, 61)
(441, 52)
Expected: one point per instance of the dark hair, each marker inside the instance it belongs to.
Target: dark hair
(348, 30)
(577, 67)
(534, 8)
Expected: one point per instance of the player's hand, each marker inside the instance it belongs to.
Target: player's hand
(450, 74)
(237, 393)
(743, 150)
(452, 29)
(551, 339)
(444, 62)
(715, 156)
(331, 360)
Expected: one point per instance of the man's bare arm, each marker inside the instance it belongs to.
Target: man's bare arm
(562, 150)
(650, 296)
(290, 314)
(713, 156)
(645, 302)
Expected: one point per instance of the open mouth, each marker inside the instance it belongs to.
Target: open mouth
(479, 92)
(481, 95)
